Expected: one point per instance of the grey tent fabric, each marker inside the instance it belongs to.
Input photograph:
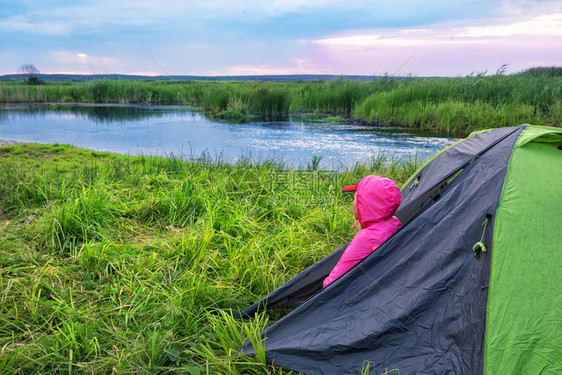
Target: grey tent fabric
(429, 181)
(444, 166)
(418, 303)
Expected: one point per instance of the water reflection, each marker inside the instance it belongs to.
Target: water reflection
(177, 130)
(110, 113)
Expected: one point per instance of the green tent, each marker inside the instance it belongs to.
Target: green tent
(471, 283)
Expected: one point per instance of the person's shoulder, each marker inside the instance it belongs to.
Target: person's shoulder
(360, 246)
(363, 235)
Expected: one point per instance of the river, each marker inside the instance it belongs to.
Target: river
(180, 131)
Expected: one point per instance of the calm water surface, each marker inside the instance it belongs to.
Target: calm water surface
(182, 132)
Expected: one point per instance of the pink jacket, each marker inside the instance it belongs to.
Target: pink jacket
(378, 199)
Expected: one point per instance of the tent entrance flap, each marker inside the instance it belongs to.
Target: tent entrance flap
(445, 166)
(298, 289)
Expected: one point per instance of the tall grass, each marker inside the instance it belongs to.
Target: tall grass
(466, 104)
(458, 105)
(117, 264)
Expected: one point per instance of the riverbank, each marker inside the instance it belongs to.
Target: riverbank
(453, 105)
(121, 264)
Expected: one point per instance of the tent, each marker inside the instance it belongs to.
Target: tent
(471, 283)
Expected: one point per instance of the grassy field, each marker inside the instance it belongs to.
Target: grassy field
(128, 265)
(455, 105)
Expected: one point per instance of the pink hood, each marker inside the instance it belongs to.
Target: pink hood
(378, 199)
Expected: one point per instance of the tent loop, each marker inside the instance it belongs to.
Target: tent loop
(479, 246)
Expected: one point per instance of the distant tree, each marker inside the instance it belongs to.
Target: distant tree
(30, 71)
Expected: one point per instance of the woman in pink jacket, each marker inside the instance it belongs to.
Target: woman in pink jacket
(376, 200)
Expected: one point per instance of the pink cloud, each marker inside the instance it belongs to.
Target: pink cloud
(447, 51)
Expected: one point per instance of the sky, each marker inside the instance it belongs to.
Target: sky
(255, 37)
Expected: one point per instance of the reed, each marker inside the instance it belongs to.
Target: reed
(467, 104)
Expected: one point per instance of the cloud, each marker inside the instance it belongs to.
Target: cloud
(448, 48)
(375, 40)
(71, 61)
(293, 66)
(278, 8)
(20, 24)
(97, 15)
(546, 26)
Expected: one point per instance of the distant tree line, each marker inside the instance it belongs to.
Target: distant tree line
(552, 71)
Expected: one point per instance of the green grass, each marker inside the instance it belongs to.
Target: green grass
(118, 264)
(456, 105)
(467, 104)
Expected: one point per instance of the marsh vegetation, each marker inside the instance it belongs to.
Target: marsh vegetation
(455, 105)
